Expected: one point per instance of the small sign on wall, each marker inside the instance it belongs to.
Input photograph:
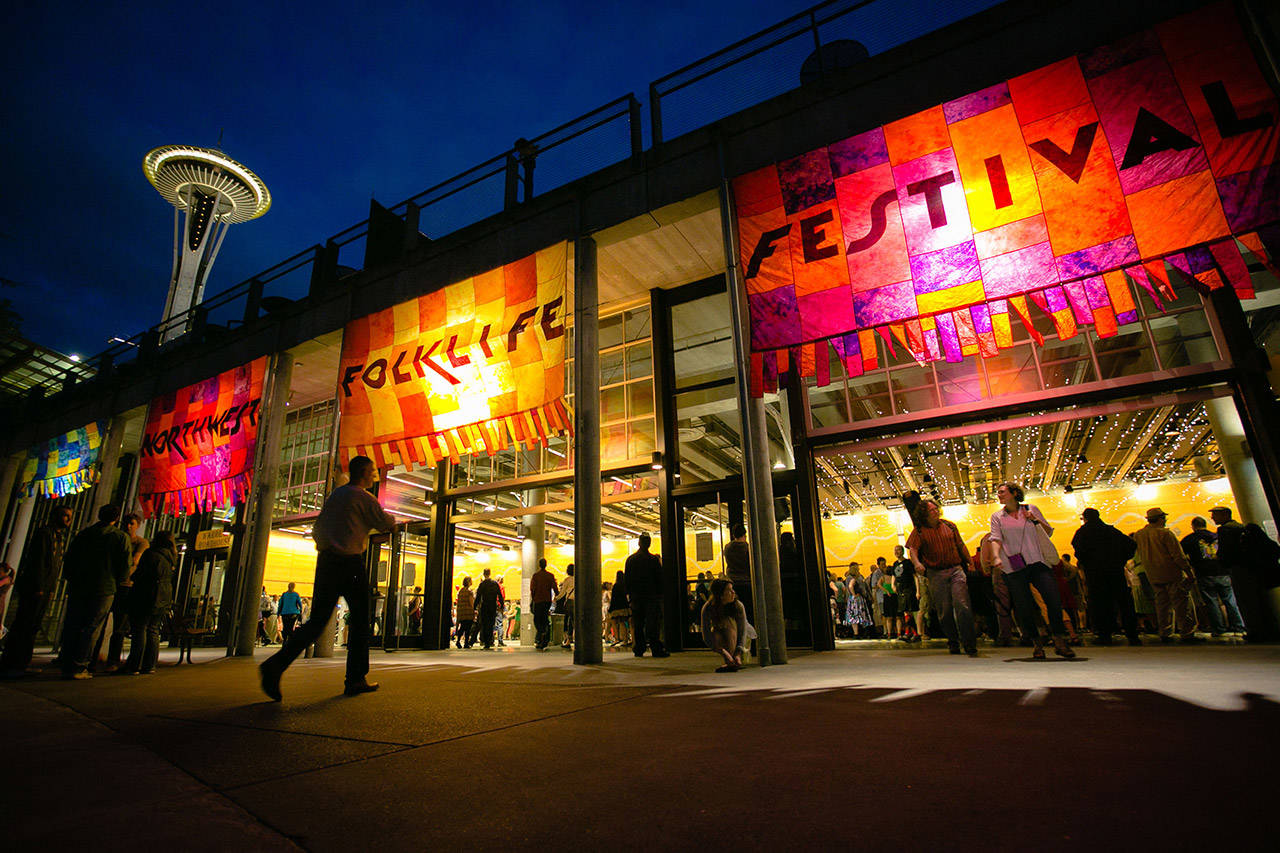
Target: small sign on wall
(703, 546)
(212, 540)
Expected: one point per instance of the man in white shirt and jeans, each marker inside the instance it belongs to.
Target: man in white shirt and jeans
(340, 534)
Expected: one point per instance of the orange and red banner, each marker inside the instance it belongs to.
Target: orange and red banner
(1152, 157)
(199, 442)
(468, 368)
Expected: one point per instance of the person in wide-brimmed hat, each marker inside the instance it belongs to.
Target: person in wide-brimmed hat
(1171, 576)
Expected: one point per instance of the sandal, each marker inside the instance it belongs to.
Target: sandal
(1038, 654)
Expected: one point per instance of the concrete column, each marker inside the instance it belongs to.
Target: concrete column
(589, 646)
(262, 503)
(1233, 446)
(532, 545)
(757, 471)
(8, 479)
(109, 464)
(17, 541)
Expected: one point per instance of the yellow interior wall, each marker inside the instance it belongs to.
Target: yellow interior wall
(846, 538)
(873, 534)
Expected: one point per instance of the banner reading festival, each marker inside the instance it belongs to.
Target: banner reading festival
(64, 465)
(199, 442)
(467, 368)
(1152, 157)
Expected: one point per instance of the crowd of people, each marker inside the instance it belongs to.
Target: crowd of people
(113, 576)
(1016, 582)
(1015, 587)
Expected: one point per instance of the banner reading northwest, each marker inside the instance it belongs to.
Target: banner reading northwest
(1151, 157)
(65, 465)
(199, 442)
(466, 368)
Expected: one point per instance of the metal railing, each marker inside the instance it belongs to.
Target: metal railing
(804, 48)
(775, 60)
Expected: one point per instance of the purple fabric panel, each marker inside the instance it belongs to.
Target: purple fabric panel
(1251, 198)
(806, 180)
(1199, 259)
(1099, 258)
(889, 304)
(949, 267)
(1147, 84)
(858, 152)
(1124, 318)
(1014, 273)
(981, 318)
(775, 318)
(1056, 298)
(1179, 262)
(1096, 289)
(1120, 53)
(931, 346)
(1144, 281)
(826, 313)
(1079, 300)
(950, 340)
(977, 103)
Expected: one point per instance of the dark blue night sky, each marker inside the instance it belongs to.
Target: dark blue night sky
(328, 103)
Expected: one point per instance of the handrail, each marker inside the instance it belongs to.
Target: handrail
(627, 106)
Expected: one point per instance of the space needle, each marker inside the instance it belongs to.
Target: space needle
(209, 191)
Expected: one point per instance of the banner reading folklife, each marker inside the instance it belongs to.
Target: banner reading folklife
(65, 465)
(467, 368)
(1152, 157)
(199, 442)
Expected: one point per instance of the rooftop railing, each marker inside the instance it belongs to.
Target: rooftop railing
(804, 47)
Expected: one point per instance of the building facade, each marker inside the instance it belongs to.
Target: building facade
(775, 321)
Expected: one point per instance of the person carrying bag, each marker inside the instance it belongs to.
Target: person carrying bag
(1020, 539)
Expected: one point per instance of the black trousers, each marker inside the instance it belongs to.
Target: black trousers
(337, 575)
(290, 621)
(486, 619)
(646, 624)
(466, 633)
(568, 621)
(541, 623)
(1109, 593)
(20, 643)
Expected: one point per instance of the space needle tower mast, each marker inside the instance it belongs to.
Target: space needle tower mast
(209, 192)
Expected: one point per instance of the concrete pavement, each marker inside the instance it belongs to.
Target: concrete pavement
(881, 749)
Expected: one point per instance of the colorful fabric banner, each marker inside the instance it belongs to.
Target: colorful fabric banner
(467, 368)
(65, 465)
(199, 442)
(1152, 157)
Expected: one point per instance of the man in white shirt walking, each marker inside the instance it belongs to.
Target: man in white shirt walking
(340, 534)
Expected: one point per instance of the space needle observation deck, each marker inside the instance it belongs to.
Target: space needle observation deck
(209, 192)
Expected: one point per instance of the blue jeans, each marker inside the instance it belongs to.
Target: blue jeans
(1217, 590)
(1041, 577)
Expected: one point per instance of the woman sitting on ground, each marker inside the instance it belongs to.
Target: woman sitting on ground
(724, 625)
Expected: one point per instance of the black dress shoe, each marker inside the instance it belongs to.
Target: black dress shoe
(270, 681)
(662, 654)
(362, 687)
